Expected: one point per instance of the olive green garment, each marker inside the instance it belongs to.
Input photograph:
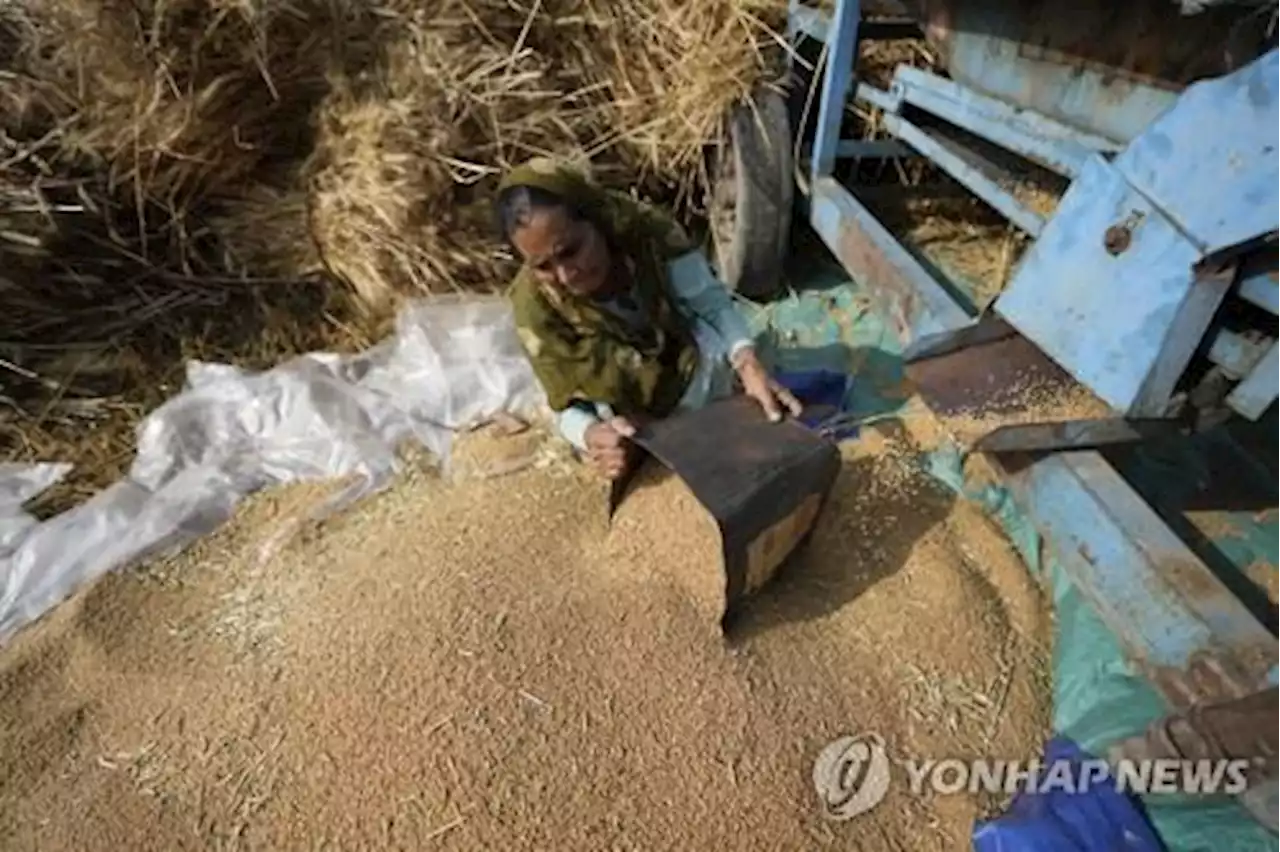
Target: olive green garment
(578, 349)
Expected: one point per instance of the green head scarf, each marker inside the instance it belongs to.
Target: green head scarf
(578, 349)
(560, 179)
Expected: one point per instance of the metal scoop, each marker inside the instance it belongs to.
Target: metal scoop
(764, 483)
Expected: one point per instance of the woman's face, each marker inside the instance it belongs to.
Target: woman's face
(563, 251)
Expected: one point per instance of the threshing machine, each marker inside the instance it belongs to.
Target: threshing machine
(1151, 280)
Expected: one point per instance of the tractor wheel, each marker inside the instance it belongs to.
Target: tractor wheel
(752, 185)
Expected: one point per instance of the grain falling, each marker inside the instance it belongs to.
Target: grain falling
(1030, 401)
(662, 532)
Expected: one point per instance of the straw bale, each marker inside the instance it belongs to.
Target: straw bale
(266, 232)
(675, 68)
(404, 169)
(167, 114)
(145, 122)
(184, 99)
(131, 133)
(241, 177)
(397, 160)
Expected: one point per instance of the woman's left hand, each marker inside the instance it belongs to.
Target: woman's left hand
(760, 386)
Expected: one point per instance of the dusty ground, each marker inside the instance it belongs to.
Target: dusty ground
(474, 662)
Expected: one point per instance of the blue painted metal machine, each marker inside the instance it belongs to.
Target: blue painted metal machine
(1152, 282)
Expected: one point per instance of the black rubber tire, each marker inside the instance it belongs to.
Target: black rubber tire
(752, 195)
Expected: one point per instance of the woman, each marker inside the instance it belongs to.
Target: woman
(619, 312)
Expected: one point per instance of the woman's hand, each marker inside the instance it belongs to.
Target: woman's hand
(608, 447)
(757, 384)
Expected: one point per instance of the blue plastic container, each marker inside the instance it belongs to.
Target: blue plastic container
(823, 394)
(1099, 819)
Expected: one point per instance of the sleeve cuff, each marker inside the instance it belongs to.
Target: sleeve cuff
(737, 348)
(573, 423)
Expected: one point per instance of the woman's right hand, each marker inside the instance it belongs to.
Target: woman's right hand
(607, 446)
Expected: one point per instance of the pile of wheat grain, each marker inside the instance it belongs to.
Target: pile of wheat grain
(479, 662)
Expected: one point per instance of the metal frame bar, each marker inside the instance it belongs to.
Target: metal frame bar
(1262, 291)
(969, 168)
(920, 305)
(1258, 284)
(1178, 621)
(886, 101)
(1052, 144)
(842, 53)
(816, 24)
(889, 29)
(1258, 390)
(1235, 354)
(869, 150)
(872, 149)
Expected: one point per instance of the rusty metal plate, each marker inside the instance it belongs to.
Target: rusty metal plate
(979, 377)
(1074, 434)
(1150, 41)
(764, 483)
(986, 329)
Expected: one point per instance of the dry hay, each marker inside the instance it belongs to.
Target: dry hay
(250, 179)
(376, 122)
(265, 232)
(395, 204)
(962, 237)
(406, 160)
(675, 69)
(142, 127)
(463, 667)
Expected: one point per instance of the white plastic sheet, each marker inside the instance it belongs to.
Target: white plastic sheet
(452, 363)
